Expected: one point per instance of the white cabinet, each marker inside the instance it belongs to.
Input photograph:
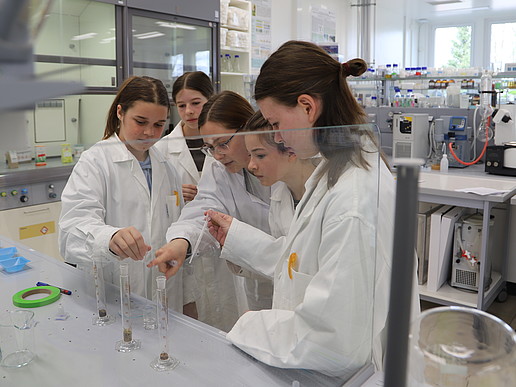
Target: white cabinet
(235, 44)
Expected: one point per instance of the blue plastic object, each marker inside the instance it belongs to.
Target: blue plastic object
(7, 252)
(14, 264)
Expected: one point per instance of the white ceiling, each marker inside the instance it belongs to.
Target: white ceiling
(430, 8)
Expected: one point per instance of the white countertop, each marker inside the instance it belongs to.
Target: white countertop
(76, 353)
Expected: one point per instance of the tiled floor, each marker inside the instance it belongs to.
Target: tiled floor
(504, 310)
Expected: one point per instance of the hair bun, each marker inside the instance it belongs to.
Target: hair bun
(354, 67)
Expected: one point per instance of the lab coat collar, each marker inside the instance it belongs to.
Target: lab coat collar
(118, 150)
(176, 144)
(315, 188)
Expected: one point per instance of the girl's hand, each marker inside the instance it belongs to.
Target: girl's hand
(218, 225)
(189, 192)
(170, 257)
(128, 243)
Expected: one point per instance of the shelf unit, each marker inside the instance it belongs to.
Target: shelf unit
(235, 41)
(383, 88)
(442, 189)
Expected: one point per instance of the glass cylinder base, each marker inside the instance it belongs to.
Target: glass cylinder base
(164, 362)
(128, 346)
(18, 359)
(101, 321)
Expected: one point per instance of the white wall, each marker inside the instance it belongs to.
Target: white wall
(291, 19)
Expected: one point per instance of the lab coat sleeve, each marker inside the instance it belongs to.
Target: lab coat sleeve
(210, 196)
(82, 228)
(329, 330)
(252, 249)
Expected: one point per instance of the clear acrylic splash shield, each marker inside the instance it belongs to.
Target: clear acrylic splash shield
(331, 270)
(325, 268)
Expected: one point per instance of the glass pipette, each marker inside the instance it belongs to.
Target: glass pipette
(164, 362)
(198, 242)
(127, 344)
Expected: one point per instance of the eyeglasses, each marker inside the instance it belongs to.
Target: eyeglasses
(221, 148)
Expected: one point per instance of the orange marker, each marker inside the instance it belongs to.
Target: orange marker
(178, 199)
(292, 260)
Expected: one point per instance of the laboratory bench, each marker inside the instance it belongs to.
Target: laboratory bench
(74, 352)
(29, 173)
(441, 188)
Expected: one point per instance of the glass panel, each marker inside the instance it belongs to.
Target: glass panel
(78, 28)
(77, 42)
(503, 49)
(324, 245)
(165, 50)
(90, 75)
(453, 47)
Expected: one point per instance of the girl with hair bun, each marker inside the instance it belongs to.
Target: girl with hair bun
(332, 273)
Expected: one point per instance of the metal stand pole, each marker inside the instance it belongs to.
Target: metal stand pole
(405, 228)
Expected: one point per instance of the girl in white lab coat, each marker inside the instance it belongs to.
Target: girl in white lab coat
(189, 93)
(270, 162)
(123, 194)
(334, 268)
(225, 186)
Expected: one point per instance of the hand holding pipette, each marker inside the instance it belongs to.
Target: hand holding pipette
(218, 225)
(196, 246)
(170, 257)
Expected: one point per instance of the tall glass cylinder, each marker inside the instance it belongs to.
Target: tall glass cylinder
(127, 344)
(102, 318)
(164, 362)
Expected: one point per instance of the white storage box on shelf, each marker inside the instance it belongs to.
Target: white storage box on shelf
(235, 42)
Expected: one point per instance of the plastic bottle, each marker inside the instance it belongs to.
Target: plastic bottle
(395, 71)
(227, 60)
(236, 64)
(444, 163)
(397, 97)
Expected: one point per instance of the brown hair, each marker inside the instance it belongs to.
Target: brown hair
(228, 109)
(135, 89)
(299, 67)
(193, 80)
(258, 123)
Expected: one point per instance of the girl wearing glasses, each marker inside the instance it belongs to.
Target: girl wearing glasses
(333, 270)
(270, 162)
(225, 186)
(119, 199)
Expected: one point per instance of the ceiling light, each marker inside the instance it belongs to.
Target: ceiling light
(149, 35)
(85, 36)
(440, 2)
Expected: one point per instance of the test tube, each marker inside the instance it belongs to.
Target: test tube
(127, 344)
(164, 362)
(102, 318)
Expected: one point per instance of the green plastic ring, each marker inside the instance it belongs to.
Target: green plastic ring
(53, 295)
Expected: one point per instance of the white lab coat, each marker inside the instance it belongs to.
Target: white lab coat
(263, 257)
(174, 147)
(107, 191)
(226, 192)
(322, 318)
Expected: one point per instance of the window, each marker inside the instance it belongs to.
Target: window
(503, 48)
(453, 47)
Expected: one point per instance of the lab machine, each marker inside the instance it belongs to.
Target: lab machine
(501, 157)
(466, 254)
(410, 135)
(457, 133)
